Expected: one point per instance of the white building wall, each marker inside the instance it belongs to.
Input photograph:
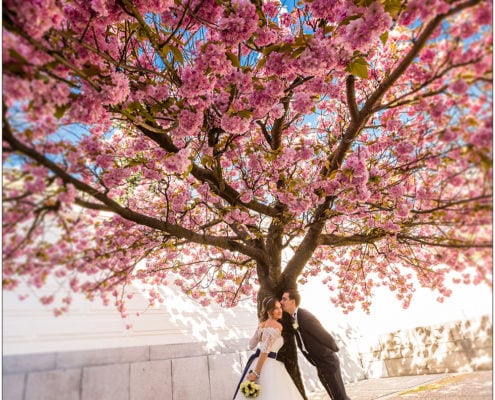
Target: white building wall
(29, 327)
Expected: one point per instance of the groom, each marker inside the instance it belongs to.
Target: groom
(317, 345)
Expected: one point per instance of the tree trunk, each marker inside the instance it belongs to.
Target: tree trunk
(288, 353)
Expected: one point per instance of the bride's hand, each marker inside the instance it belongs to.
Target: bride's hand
(251, 377)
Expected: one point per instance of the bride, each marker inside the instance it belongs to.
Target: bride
(262, 367)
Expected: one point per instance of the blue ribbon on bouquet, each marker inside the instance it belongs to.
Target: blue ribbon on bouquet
(271, 354)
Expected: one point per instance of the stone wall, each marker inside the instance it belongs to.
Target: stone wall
(181, 371)
(457, 346)
(196, 371)
(168, 372)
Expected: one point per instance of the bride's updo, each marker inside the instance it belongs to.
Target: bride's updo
(267, 307)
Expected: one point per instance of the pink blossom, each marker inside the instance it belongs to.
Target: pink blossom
(459, 86)
(213, 56)
(234, 124)
(484, 13)
(423, 194)
(335, 11)
(118, 90)
(483, 137)
(190, 121)
(271, 8)
(275, 87)
(100, 6)
(396, 191)
(45, 300)
(428, 55)
(331, 187)
(403, 210)
(265, 36)
(391, 227)
(363, 193)
(240, 24)
(302, 102)
(277, 111)
(195, 83)
(449, 135)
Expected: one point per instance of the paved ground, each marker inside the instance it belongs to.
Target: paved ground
(456, 386)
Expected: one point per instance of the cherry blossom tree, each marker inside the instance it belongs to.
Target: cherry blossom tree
(237, 148)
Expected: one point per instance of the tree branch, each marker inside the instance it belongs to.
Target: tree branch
(222, 189)
(351, 98)
(339, 241)
(442, 242)
(126, 213)
(37, 45)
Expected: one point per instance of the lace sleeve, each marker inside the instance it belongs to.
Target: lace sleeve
(268, 338)
(255, 339)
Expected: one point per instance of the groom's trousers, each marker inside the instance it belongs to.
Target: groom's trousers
(330, 375)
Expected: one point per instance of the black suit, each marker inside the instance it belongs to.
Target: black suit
(319, 349)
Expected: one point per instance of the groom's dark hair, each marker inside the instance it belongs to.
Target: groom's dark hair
(294, 295)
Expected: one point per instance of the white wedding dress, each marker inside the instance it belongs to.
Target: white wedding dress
(275, 381)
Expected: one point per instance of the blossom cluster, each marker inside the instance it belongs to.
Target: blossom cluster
(193, 143)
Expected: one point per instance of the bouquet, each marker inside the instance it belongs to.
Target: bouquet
(250, 389)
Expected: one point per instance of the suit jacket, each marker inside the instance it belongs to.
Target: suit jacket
(317, 340)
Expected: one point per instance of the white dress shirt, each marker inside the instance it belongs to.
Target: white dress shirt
(297, 330)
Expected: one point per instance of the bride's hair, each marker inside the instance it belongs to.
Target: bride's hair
(267, 306)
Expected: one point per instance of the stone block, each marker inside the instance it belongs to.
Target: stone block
(224, 346)
(366, 358)
(54, 385)
(13, 387)
(86, 358)
(456, 332)
(238, 363)
(482, 340)
(485, 324)
(376, 369)
(482, 359)
(475, 328)
(431, 334)
(406, 366)
(178, 350)
(245, 357)
(369, 344)
(151, 380)
(106, 382)
(378, 346)
(448, 362)
(233, 345)
(28, 362)
(392, 353)
(421, 352)
(242, 358)
(191, 379)
(483, 352)
(407, 350)
(392, 340)
(378, 355)
(224, 375)
(438, 349)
